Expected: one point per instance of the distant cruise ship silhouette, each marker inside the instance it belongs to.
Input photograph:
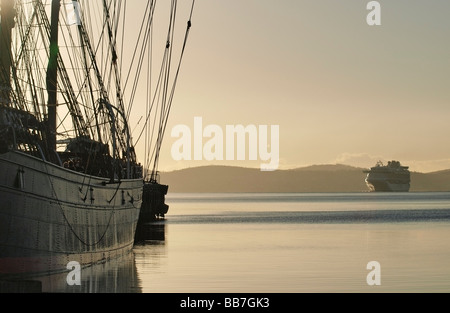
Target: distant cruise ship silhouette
(391, 177)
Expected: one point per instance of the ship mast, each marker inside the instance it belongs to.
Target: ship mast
(52, 76)
(6, 26)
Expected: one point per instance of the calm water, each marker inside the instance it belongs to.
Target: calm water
(287, 243)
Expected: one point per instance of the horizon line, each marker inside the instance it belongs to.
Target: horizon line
(287, 169)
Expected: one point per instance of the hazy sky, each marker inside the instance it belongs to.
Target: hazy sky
(340, 90)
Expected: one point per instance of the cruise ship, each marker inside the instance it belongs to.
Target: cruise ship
(391, 177)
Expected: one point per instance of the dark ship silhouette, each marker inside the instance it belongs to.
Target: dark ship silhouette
(392, 177)
(71, 187)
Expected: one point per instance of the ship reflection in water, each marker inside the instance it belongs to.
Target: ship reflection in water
(118, 275)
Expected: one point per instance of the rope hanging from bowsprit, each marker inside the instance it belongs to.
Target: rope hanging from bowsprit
(163, 121)
(165, 93)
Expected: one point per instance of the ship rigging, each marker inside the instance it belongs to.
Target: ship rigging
(70, 87)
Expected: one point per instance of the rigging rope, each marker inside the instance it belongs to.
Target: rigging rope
(164, 93)
(89, 64)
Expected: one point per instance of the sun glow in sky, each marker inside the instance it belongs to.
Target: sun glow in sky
(340, 90)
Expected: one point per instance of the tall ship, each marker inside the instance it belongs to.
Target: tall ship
(390, 177)
(71, 187)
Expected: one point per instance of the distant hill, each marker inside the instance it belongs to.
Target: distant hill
(436, 181)
(316, 178)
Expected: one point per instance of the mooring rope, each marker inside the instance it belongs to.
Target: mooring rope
(67, 220)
